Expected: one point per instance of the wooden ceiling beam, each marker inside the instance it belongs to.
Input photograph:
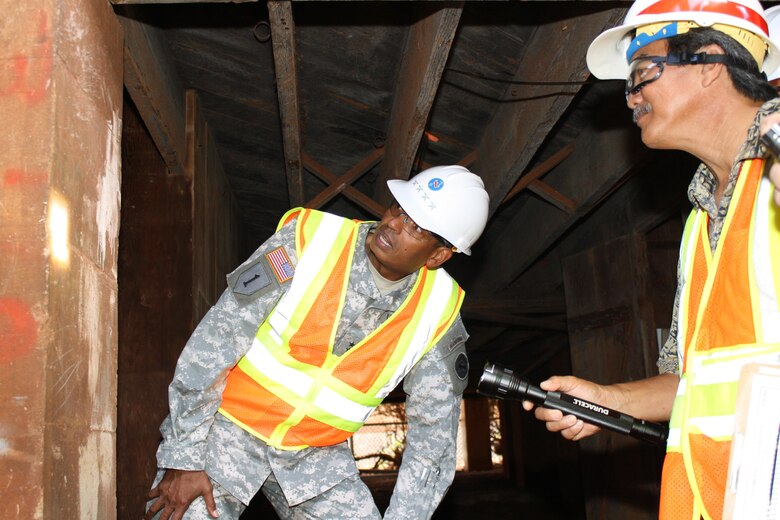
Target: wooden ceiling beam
(520, 125)
(466, 162)
(352, 193)
(154, 86)
(589, 176)
(340, 184)
(553, 196)
(280, 18)
(427, 49)
(538, 171)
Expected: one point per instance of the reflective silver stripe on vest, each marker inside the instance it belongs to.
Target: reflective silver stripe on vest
(432, 313)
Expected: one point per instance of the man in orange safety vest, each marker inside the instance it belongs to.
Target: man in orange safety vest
(695, 76)
(320, 324)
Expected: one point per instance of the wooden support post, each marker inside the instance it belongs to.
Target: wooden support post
(283, 38)
(60, 171)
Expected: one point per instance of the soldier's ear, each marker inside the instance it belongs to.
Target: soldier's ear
(440, 255)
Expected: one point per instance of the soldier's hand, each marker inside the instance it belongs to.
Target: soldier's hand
(568, 426)
(176, 491)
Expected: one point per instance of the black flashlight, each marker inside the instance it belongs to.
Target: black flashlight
(501, 382)
(771, 139)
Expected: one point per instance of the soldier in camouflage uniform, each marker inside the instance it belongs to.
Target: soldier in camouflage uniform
(209, 465)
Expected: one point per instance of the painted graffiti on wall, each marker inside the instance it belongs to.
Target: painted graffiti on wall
(20, 177)
(18, 329)
(28, 73)
(26, 76)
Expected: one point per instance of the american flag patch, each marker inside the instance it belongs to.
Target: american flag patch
(280, 264)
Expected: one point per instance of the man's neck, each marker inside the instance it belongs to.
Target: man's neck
(724, 132)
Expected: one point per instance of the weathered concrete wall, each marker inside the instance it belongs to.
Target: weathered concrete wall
(60, 106)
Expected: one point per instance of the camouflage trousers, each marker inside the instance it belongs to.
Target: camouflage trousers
(350, 498)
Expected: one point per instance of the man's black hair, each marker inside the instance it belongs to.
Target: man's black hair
(744, 73)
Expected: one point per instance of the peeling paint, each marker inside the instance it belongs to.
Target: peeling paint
(109, 185)
(96, 476)
(73, 26)
(89, 322)
(89, 479)
(92, 327)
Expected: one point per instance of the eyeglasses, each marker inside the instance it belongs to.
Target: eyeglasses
(411, 227)
(646, 69)
(642, 72)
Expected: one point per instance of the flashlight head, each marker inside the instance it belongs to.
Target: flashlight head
(501, 382)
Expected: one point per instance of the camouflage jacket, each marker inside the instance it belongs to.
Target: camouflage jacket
(196, 437)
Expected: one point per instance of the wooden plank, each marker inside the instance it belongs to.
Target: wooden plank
(283, 38)
(155, 88)
(342, 182)
(517, 129)
(215, 233)
(156, 278)
(612, 321)
(353, 194)
(427, 49)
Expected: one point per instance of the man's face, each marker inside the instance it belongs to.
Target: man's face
(397, 249)
(660, 103)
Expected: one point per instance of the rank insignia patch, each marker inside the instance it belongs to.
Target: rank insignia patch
(251, 280)
(280, 264)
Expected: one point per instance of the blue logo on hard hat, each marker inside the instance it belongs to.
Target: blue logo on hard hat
(435, 184)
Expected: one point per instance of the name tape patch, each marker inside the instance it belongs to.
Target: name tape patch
(280, 264)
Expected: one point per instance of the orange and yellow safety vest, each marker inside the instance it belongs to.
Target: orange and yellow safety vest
(728, 317)
(290, 389)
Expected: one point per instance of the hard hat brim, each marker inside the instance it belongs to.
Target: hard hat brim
(413, 206)
(606, 56)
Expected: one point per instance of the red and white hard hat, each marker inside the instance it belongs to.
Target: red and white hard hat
(773, 20)
(447, 200)
(609, 53)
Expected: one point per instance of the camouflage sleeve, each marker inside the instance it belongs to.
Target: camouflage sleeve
(434, 391)
(668, 358)
(219, 341)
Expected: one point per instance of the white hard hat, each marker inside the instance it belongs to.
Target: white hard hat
(447, 200)
(607, 55)
(773, 20)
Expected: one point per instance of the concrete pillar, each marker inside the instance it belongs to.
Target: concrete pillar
(60, 110)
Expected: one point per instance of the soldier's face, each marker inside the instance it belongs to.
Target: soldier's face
(396, 253)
